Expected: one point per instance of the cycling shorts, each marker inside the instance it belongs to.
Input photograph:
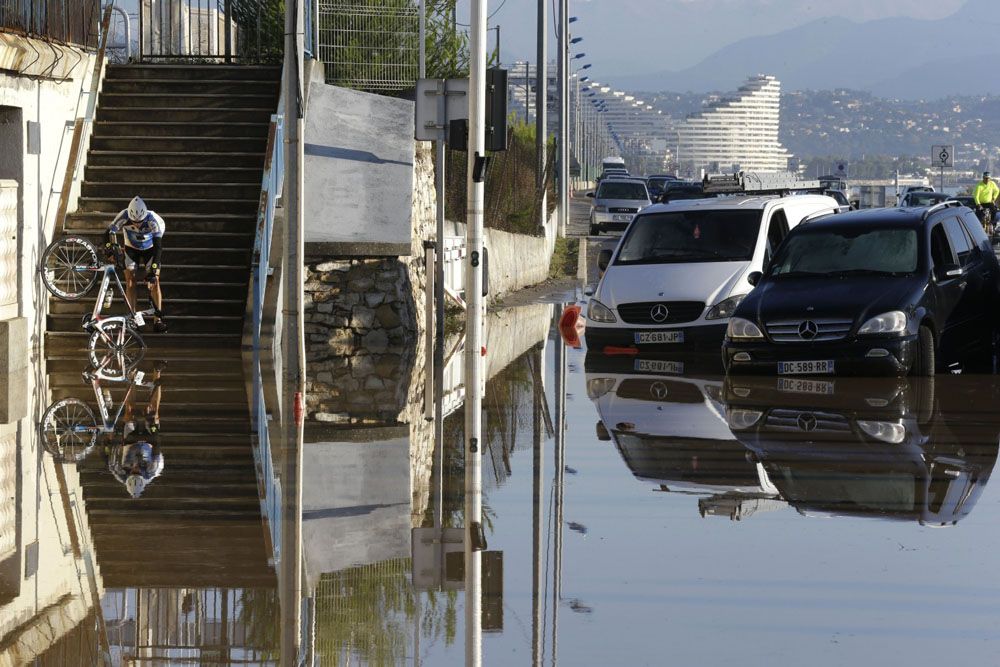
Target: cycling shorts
(134, 257)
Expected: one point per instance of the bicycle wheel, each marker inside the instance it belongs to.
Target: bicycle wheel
(117, 336)
(67, 430)
(68, 267)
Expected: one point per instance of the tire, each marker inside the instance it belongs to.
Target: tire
(923, 400)
(122, 339)
(67, 430)
(68, 267)
(924, 364)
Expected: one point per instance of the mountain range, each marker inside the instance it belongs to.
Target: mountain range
(897, 57)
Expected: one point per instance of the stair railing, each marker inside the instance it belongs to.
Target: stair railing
(269, 486)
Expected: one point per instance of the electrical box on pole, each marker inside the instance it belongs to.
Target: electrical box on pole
(496, 109)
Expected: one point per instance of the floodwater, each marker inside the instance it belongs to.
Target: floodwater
(635, 511)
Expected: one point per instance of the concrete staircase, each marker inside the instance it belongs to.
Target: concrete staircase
(190, 140)
(199, 523)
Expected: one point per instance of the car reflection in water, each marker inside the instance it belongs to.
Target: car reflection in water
(672, 430)
(910, 449)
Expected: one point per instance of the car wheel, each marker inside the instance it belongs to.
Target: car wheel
(923, 365)
(923, 399)
(595, 230)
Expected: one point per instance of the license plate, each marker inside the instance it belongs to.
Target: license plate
(654, 337)
(622, 217)
(805, 367)
(796, 386)
(656, 366)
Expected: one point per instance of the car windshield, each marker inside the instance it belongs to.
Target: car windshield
(657, 182)
(621, 190)
(847, 251)
(691, 236)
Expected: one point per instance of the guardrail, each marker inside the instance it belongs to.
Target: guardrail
(269, 486)
(241, 31)
(66, 21)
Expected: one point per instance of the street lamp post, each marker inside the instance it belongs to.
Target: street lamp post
(563, 115)
(541, 112)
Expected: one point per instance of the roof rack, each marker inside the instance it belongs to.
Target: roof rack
(757, 183)
(948, 203)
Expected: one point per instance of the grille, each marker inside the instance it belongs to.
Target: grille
(659, 390)
(677, 312)
(804, 421)
(787, 331)
(622, 209)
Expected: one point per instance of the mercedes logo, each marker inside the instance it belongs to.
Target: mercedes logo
(658, 390)
(806, 422)
(658, 313)
(808, 330)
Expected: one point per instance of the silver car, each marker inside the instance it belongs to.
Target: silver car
(616, 201)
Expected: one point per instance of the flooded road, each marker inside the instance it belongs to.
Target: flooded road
(635, 512)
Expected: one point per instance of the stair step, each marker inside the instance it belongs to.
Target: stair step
(178, 324)
(153, 191)
(167, 88)
(169, 174)
(190, 100)
(175, 306)
(176, 222)
(162, 205)
(184, 239)
(185, 72)
(186, 114)
(191, 144)
(151, 159)
(148, 129)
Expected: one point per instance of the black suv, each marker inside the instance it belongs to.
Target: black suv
(874, 292)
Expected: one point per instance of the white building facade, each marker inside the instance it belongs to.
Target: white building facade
(736, 132)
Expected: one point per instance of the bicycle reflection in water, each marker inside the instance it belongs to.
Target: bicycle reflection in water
(70, 430)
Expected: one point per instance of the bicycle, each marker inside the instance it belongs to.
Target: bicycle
(69, 429)
(70, 268)
(986, 215)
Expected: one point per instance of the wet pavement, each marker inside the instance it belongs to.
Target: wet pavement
(636, 511)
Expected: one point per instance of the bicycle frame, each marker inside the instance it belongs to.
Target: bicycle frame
(105, 405)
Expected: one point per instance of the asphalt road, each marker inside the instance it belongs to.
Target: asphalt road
(579, 227)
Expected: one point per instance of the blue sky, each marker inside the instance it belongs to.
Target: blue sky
(637, 36)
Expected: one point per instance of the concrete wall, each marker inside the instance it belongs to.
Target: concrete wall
(359, 171)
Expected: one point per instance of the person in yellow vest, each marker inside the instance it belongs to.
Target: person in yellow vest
(986, 192)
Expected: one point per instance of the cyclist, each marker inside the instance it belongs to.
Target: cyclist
(985, 195)
(143, 231)
(137, 461)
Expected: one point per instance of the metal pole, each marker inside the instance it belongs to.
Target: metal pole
(560, 462)
(563, 115)
(474, 333)
(423, 39)
(537, 471)
(294, 367)
(541, 110)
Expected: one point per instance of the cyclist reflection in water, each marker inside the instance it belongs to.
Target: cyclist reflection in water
(137, 461)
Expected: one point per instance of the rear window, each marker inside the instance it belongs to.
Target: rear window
(620, 190)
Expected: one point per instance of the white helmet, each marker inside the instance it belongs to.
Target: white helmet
(137, 209)
(135, 484)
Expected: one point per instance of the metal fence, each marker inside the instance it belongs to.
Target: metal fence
(370, 44)
(66, 21)
(244, 31)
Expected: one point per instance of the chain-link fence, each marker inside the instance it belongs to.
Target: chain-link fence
(370, 44)
(66, 21)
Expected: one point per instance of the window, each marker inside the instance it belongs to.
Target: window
(959, 240)
(622, 190)
(691, 236)
(975, 229)
(847, 251)
(941, 252)
(777, 230)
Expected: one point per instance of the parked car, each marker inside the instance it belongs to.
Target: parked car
(681, 269)
(680, 190)
(907, 189)
(921, 198)
(965, 200)
(880, 291)
(613, 173)
(657, 183)
(616, 201)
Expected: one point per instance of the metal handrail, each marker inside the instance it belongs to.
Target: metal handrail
(269, 486)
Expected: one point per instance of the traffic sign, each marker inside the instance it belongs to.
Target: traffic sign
(942, 156)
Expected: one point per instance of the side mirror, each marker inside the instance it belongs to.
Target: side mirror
(590, 194)
(604, 259)
(946, 271)
(754, 277)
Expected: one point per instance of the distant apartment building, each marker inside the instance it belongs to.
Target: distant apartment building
(735, 132)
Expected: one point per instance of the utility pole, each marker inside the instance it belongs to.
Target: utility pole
(475, 195)
(294, 367)
(542, 111)
(423, 39)
(563, 115)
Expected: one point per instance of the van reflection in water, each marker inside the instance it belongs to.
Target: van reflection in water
(672, 430)
(910, 449)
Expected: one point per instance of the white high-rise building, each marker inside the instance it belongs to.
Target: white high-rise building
(737, 132)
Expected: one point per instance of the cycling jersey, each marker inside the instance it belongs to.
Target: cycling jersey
(139, 235)
(141, 456)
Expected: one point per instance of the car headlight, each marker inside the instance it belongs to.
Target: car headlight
(725, 308)
(600, 209)
(597, 387)
(740, 419)
(598, 312)
(893, 322)
(741, 329)
(884, 431)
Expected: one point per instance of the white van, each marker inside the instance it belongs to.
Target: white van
(681, 269)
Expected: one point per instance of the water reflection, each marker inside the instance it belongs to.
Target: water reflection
(906, 449)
